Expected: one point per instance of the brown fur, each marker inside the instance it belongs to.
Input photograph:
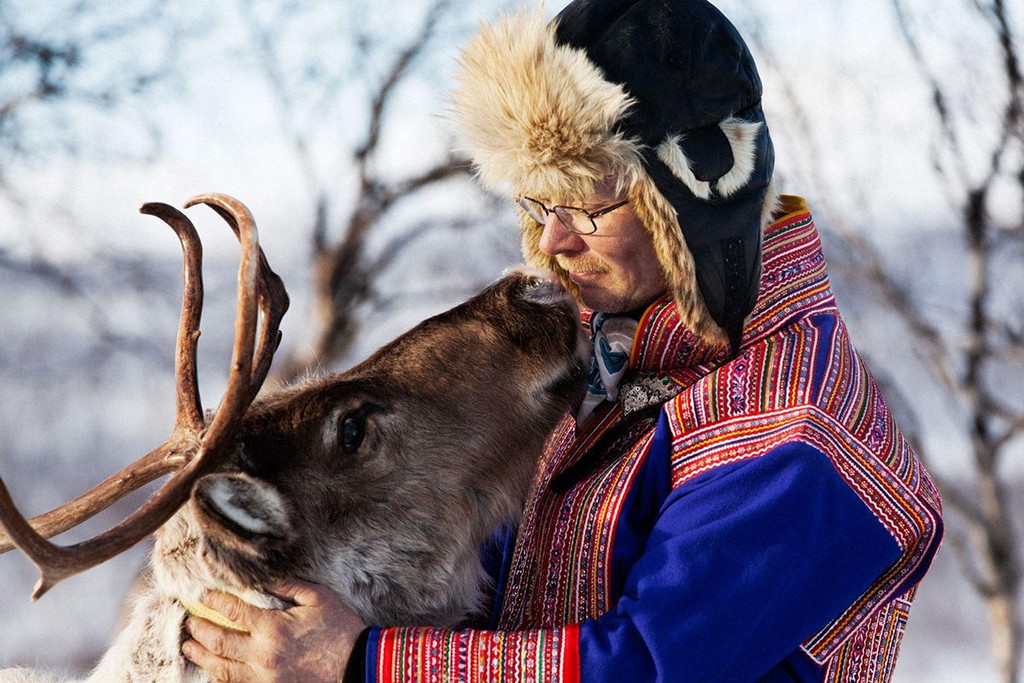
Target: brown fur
(456, 412)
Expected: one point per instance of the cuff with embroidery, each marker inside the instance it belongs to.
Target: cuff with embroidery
(474, 656)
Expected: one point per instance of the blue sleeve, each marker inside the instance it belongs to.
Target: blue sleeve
(743, 564)
(494, 557)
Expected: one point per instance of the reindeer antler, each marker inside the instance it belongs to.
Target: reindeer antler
(192, 449)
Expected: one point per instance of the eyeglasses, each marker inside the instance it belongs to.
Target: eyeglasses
(576, 220)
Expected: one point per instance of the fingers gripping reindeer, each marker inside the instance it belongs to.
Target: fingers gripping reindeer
(380, 483)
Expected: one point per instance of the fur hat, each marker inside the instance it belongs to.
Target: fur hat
(660, 95)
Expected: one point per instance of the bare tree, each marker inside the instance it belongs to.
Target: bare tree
(67, 64)
(977, 115)
(974, 361)
(72, 73)
(359, 97)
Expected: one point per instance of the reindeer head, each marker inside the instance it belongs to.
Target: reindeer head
(380, 482)
(383, 482)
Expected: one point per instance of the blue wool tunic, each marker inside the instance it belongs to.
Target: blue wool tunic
(756, 518)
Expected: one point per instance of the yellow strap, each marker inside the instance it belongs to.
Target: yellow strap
(198, 609)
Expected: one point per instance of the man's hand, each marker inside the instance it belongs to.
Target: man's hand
(310, 642)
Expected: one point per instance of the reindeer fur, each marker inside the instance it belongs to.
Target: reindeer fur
(456, 413)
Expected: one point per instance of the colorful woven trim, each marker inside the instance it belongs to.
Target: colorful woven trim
(870, 654)
(773, 394)
(560, 571)
(897, 506)
(794, 278)
(429, 655)
(809, 385)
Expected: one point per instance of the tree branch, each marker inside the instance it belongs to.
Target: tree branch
(398, 70)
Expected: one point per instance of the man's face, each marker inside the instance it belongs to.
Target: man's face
(615, 268)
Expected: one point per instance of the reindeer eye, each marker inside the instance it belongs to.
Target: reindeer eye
(353, 429)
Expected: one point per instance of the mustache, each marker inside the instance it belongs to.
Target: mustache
(581, 264)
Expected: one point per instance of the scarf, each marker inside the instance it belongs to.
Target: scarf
(612, 339)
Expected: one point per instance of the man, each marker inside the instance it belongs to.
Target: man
(732, 501)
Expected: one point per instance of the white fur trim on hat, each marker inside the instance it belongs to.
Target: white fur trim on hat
(742, 137)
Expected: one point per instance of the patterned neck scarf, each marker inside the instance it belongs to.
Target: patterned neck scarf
(612, 337)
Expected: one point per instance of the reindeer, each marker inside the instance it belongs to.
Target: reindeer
(381, 482)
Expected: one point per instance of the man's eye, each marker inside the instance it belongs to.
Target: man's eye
(353, 429)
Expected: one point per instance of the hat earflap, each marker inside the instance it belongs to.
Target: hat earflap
(741, 136)
(661, 220)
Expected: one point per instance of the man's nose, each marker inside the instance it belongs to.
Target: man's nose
(558, 239)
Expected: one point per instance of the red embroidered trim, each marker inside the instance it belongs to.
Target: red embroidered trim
(440, 656)
(560, 572)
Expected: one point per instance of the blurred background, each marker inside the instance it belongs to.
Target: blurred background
(901, 122)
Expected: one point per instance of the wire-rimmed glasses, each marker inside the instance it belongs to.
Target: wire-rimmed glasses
(575, 219)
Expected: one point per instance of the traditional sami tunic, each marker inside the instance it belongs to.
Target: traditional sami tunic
(759, 518)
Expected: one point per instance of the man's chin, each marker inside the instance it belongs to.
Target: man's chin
(605, 302)
(597, 299)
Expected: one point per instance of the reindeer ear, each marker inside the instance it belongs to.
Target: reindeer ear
(243, 505)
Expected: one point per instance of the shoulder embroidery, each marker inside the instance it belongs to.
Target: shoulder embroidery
(780, 392)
